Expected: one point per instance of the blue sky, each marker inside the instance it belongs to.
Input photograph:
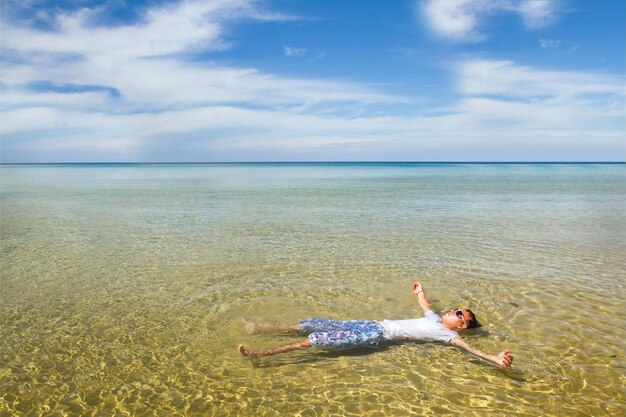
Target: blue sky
(244, 80)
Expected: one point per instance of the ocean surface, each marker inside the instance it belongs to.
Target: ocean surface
(123, 285)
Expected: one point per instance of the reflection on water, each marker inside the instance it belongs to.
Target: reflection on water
(122, 287)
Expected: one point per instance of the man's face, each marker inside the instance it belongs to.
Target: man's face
(458, 318)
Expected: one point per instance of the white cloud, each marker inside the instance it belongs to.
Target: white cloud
(453, 19)
(167, 30)
(460, 20)
(77, 100)
(158, 98)
(156, 92)
(549, 44)
(500, 103)
(505, 78)
(537, 13)
(142, 61)
(291, 51)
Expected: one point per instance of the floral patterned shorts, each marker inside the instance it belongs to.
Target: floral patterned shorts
(337, 334)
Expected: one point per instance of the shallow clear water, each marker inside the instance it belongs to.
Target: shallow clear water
(122, 287)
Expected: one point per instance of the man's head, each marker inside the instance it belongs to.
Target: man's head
(462, 318)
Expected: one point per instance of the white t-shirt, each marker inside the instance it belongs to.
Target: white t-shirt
(426, 329)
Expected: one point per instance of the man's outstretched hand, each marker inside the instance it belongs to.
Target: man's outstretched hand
(504, 359)
(417, 287)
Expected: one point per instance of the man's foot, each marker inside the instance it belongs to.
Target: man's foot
(249, 326)
(243, 351)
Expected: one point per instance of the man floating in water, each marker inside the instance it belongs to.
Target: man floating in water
(336, 334)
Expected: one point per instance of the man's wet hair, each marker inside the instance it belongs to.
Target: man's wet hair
(473, 321)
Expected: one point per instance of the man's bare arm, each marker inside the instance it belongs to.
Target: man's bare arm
(421, 296)
(502, 360)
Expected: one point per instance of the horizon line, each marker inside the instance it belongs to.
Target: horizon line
(312, 162)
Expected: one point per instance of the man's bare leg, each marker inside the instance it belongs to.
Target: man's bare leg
(303, 344)
(269, 328)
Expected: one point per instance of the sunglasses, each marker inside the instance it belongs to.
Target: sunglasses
(459, 314)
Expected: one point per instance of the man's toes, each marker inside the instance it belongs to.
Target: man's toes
(242, 350)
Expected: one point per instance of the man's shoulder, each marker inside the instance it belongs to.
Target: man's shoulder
(429, 314)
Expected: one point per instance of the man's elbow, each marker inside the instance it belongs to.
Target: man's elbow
(458, 342)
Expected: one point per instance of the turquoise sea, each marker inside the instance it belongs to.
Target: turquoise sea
(122, 287)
